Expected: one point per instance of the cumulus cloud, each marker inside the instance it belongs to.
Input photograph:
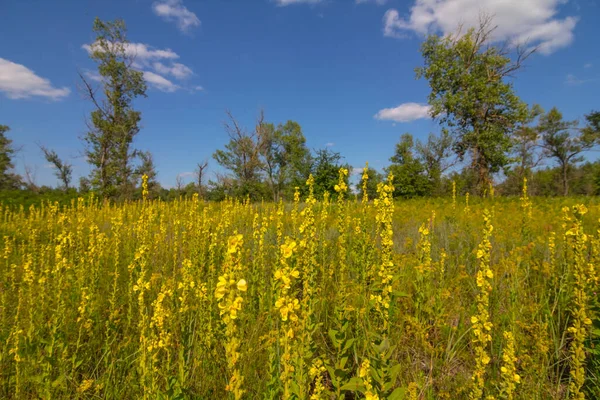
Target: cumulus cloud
(177, 70)
(19, 82)
(533, 21)
(156, 64)
(175, 11)
(284, 3)
(404, 112)
(357, 170)
(160, 82)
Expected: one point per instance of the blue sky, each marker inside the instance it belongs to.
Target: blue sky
(343, 69)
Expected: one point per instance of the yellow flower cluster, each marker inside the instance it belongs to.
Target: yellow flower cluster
(365, 374)
(316, 375)
(228, 292)
(481, 324)
(508, 371)
(341, 186)
(385, 210)
(365, 181)
(581, 322)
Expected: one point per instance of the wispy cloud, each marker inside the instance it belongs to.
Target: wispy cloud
(588, 65)
(156, 64)
(160, 82)
(284, 3)
(142, 53)
(329, 144)
(357, 170)
(378, 2)
(533, 22)
(19, 82)
(175, 11)
(92, 75)
(404, 112)
(177, 70)
(573, 80)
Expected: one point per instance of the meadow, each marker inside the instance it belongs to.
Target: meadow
(448, 298)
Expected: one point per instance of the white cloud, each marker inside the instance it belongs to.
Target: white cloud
(19, 82)
(198, 88)
(92, 75)
(284, 3)
(156, 64)
(533, 21)
(142, 53)
(378, 2)
(404, 112)
(178, 70)
(329, 144)
(572, 80)
(357, 170)
(588, 65)
(174, 10)
(160, 82)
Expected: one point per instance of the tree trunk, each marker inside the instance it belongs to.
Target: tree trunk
(565, 179)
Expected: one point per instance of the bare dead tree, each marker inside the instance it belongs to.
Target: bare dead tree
(179, 183)
(30, 178)
(200, 173)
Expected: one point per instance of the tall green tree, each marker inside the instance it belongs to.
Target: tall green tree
(242, 156)
(62, 169)
(472, 97)
(325, 170)
(114, 122)
(564, 142)
(410, 178)
(287, 159)
(373, 179)
(8, 179)
(146, 167)
(435, 154)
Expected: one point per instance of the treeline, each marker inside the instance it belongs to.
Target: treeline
(488, 137)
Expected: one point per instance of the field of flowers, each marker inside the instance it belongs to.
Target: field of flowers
(457, 298)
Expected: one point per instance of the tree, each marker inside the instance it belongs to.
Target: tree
(62, 170)
(593, 123)
(325, 171)
(373, 179)
(525, 155)
(471, 98)
(526, 139)
(200, 173)
(84, 185)
(242, 156)
(113, 123)
(410, 177)
(146, 167)
(286, 159)
(8, 179)
(434, 155)
(562, 141)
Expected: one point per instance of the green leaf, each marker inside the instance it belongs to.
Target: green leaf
(342, 362)
(398, 394)
(354, 384)
(333, 336)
